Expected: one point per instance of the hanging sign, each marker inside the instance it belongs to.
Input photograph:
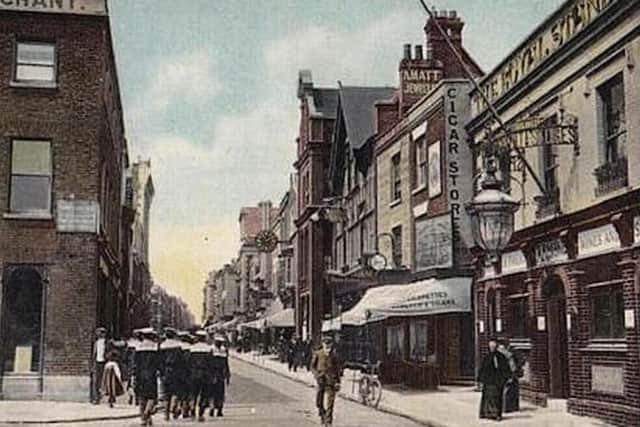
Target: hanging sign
(598, 240)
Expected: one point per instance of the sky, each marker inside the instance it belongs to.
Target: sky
(209, 95)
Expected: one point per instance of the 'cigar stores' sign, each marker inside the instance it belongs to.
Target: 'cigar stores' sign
(78, 7)
(573, 18)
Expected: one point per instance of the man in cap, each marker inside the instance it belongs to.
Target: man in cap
(173, 368)
(327, 370)
(185, 385)
(221, 373)
(99, 360)
(147, 365)
(201, 372)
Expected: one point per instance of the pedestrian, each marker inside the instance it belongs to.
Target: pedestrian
(99, 360)
(293, 349)
(173, 368)
(185, 386)
(493, 374)
(147, 363)
(327, 370)
(512, 386)
(112, 378)
(201, 373)
(221, 374)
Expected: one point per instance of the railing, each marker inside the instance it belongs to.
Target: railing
(611, 176)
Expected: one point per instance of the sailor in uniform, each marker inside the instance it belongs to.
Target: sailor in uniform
(172, 370)
(185, 385)
(147, 364)
(221, 373)
(201, 372)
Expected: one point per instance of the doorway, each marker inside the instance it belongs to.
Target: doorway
(558, 348)
(22, 312)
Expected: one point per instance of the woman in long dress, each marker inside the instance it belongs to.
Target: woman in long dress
(494, 372)
(112, 378)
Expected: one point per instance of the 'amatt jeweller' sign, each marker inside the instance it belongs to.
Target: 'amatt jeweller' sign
(573, 19)
(77, 7)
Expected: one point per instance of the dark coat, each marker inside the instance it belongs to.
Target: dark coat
(490, 373)
(326, 367)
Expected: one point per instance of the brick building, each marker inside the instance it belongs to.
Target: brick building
(424, 168)
(62, 158)
(313, 238)
(566, 290)
(283, 257)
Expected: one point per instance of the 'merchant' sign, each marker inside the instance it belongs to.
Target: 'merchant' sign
(78, 7)
(555, 33)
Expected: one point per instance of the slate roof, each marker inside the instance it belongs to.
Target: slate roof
(325, 103)
(359, 111)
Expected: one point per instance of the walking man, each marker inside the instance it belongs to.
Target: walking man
(221, 373)
(99, 360)
(201, 372)
(493, 374)
(327, 371)
(172, 370)
(147, 363)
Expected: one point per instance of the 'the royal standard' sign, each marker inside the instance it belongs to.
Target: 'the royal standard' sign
(77, 7)
(554, 34)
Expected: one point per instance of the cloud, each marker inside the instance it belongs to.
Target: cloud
(188, 80)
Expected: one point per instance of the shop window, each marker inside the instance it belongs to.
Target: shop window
(395, 341)
(31, 176)
(22, 321)
(396, 179)
(519, 318)
(608, 313)
(418, 341)
(35, 62)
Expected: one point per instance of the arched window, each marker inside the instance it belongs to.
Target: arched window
(22, 320)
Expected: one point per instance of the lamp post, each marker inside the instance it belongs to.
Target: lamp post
(492, 213)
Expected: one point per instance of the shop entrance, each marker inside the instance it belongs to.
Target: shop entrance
(22, 312)
(558, 348)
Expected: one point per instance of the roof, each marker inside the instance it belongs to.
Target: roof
(325, 103)
(359, 111)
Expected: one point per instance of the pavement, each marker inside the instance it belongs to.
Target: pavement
(449, 406)
(264, 393)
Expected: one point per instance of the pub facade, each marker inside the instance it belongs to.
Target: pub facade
(565, 292)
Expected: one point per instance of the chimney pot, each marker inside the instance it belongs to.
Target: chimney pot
(444, 13)
(453, 14)
(418, 54)
(407, 51)
(435, 12)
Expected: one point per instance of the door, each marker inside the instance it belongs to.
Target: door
(557, 340)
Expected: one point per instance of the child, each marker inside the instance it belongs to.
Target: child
(112, 378)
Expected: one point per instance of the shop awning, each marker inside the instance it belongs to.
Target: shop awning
(427, 297)
(281, 319)
(231, 324)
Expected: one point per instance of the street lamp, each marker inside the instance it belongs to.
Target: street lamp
(492, 213)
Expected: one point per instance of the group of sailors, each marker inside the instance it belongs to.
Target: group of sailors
(193, 368)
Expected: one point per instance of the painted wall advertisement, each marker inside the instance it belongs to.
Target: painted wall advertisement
(434, 245)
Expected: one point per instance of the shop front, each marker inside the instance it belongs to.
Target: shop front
(566, 295)
(414, 330)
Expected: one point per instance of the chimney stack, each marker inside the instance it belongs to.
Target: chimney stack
(407, 52)
(418, 54)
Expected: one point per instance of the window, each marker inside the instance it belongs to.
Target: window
(35, 62)
(396, 180)
(608, 313)
(418, 339)
(519, 318)
(395, 341)
(306, 196)
(316, 130)
(611, 95)
(30, 177)
(421, 164)
(397, 245)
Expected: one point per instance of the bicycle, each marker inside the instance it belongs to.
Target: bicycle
(369, 386)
